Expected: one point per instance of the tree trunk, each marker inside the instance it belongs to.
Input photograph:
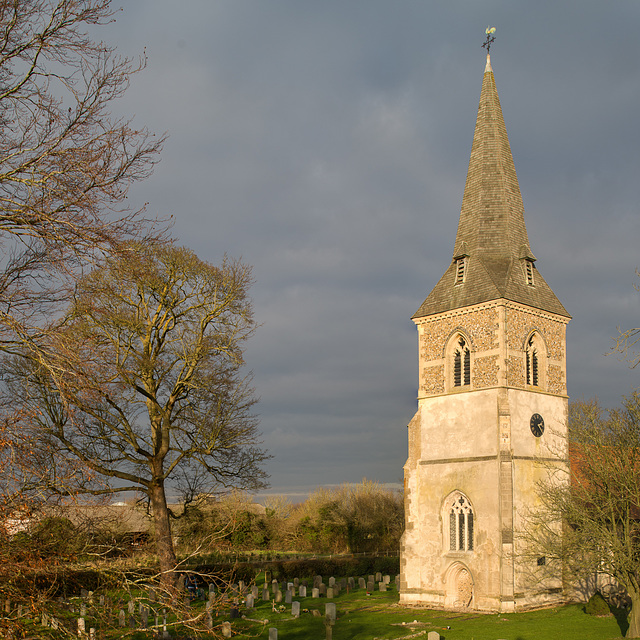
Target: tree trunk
(634, 614)
(164, 541)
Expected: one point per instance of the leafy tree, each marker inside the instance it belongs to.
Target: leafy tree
(147, 388)
(599, 509)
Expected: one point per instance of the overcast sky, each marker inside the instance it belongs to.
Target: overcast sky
(326, 143)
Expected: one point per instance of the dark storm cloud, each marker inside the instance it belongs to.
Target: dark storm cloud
(327, 144)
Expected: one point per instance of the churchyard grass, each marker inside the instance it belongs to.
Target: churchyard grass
(368, 617)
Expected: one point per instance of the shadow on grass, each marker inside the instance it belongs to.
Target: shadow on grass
(622, 618)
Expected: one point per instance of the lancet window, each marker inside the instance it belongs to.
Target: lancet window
(535, 358)
(461, 364)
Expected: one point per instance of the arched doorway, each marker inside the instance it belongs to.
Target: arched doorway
(459, 587)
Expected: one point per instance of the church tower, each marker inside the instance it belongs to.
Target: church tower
(492, 400)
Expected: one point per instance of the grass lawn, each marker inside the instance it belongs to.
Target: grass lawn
(376, 617)
(362, 617)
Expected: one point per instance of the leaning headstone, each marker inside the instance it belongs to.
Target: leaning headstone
(315, 592)
(330, 593)
(295, 609)
(287, 597)
(378, 576)
(361, 583)
(330, 611)
(382, 586)
(303, 591)
(433, 635)
(121, 618)
(273, 633)
(226, 629)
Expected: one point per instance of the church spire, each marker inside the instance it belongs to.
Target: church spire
(492, 258)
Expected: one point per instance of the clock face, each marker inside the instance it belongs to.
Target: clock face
(537, 425)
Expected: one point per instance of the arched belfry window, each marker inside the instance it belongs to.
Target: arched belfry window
(461, 363)
(459, 517)
(535, 357)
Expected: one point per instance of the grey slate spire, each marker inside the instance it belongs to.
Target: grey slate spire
(491, 248)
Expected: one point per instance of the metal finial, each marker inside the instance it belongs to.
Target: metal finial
(490, 38)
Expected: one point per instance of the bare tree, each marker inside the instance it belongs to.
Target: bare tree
(592, 524)
(146, 386)
(65, 164)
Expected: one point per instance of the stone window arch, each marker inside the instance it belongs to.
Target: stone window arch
(458, 362)
(535, 361)
(459, 523)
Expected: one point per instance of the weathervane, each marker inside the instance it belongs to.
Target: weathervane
(490, 38)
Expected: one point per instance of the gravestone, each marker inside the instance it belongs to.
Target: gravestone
(241, 586)
(330, 593)
(343, 583)
(433, 635)
(249, 603)
(370, 587)
(278, 596)
(131, 606)
(361, 583)
(398, 579)
(84, 593)
(351, 583)
(101, 600)
(330, 611)
(378, 576)
(323, 589)
(274, 586)
(254, 591)
(132, 622)
(371, 578)
(81, 627)
(295, 609)
(265, 594)
(45, 620)
(212, 588)
(234, 612)
(332, 581)
(303, 591)
(144, 616)
(315, 592)
(273, 633)
(92, 633)
(121, 618)
(317, 581)
(287, 597)
(296, 582)
(382, 586)
(386, 579)
(226, 629)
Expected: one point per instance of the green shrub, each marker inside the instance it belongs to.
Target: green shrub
(597, 606)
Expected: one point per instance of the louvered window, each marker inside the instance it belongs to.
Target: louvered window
(528, 265)
(461, 270)
(532, 364)
(462, 364)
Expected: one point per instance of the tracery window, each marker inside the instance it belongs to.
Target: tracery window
(460, 523)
